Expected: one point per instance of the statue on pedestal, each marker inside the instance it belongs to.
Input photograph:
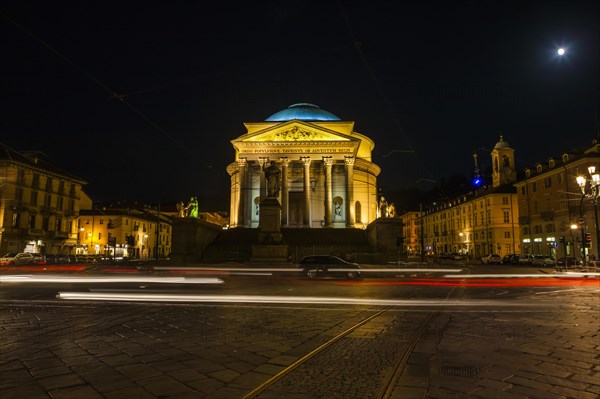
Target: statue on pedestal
(383, 207)
(273, 175)
(192, 208)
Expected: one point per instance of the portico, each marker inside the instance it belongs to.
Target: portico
(327, 177)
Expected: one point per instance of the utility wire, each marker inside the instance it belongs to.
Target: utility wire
(99, 83)
(358, 46)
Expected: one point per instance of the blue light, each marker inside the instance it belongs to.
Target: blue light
(477, 181)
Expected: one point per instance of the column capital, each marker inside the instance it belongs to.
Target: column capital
(284, 161)
(241, 162)
(349, 161)
(328, 161)
(305, 161)
(262, 161)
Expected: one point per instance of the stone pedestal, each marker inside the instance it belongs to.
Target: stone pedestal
(269, 227)
(190, 237)
(270, 246)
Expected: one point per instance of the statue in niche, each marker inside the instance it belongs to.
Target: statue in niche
(272, 174)
(257, 205)
(337, 207)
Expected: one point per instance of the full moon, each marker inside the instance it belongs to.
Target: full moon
(561, 51)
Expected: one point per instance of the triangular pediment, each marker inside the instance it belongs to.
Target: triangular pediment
(295, 131)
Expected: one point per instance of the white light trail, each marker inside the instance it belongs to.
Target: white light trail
(299, 270)
(148, 297)
(107, 279)
(562, 275)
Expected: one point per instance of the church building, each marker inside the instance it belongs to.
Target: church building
(327, 177)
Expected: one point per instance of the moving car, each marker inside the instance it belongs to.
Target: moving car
(326, 265)
(491, 259)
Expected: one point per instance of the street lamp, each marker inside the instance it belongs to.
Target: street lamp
(592, 194)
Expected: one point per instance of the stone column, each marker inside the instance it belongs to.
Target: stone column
(241, 214)
(262, 162)
(307, 200)
(350, 216)
(328, 162)
(284, 191)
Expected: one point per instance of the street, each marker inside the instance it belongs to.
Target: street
(482, 332)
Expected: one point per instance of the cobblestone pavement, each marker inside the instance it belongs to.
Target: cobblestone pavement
(87, 350)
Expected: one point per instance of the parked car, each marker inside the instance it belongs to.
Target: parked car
(511, 259)
(458, 256)
(567, 262)
(491, 259)
(38, 259)
(526, 259)
(22, 258)
(57, 259)
(543, 260)
(326, 265)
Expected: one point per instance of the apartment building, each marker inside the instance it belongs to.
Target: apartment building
(39, 204)
(554, 214)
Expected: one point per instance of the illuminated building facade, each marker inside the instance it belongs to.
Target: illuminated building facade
(551, 204)
(479, 223)
(328, 178)
(39, 204)
(411, 232)
(121, 230)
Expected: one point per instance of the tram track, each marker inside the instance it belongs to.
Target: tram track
(394, 371)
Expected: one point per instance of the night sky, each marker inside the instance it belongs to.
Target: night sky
(142, 98)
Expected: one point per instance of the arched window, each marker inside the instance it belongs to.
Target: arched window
(357, 212)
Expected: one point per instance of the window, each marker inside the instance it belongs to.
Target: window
(559, 178)
(357, 212)
(61, 187)
(36, 180)
(58, 224)
(550, 228)
(19, 194)
(16, 219)
(525, 231)
(506, 216)
(34, 197)
(548, 182)
(32, 221)
(523, 190)
(507, 234)
(537, 229)
(45, 223)
(99, 236)
(101, 221)
(563, 201)
(49, 184)
(504, 200)
(534, 187)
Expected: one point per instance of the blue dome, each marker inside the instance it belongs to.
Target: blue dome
(303, 112)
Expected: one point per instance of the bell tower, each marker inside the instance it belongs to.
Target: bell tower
(503, 164)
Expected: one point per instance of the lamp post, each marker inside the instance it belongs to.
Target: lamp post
(592, 194)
